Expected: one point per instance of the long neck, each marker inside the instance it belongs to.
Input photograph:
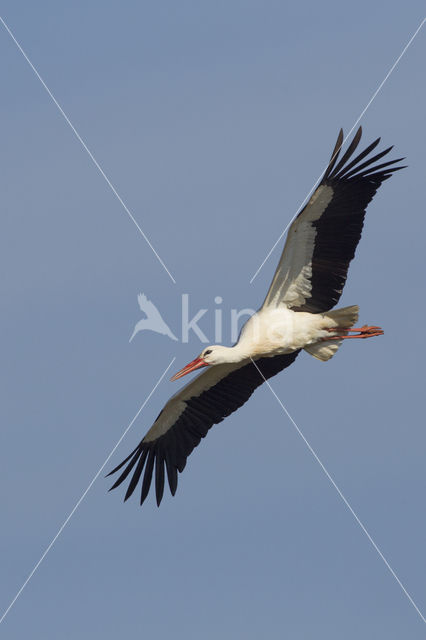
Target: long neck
(236, 353)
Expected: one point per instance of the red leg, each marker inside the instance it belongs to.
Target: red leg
(364, 332)
(352, 329)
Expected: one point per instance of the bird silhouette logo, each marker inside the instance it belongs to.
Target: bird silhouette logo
(153, 320)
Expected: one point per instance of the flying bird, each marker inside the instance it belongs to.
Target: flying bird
(296, 314)
(153, 320)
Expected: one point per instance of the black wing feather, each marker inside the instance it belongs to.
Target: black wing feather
(159, 475)
(200, 414)
(335, 154)
(137, 474)
(147, 478)
(363, 155)
(349, 151)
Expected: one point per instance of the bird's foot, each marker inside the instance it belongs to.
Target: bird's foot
(364, 332)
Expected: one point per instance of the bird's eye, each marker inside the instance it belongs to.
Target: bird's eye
(206, 353)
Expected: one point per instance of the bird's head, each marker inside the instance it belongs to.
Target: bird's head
(215, 354)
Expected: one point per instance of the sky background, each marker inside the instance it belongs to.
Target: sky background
(213, 120)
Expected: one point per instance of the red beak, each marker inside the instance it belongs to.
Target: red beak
(195, 364)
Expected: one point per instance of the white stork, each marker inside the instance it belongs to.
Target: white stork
(295, 315)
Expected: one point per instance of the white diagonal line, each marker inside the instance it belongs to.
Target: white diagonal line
(89, 153)
(342, 496)
(80, 500)
(344, 140)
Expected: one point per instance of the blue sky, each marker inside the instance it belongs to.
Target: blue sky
(213, 120)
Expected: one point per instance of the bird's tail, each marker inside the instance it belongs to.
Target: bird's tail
(345, 317)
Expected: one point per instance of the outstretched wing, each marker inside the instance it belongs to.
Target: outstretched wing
(187, 417)
(322, 240)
